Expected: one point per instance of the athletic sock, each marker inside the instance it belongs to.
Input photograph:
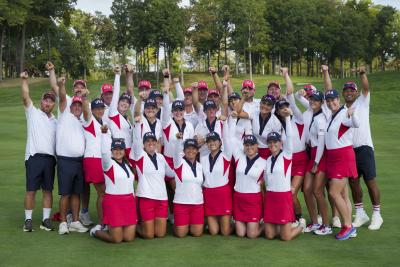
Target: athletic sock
(46, 213)
(359, 207)
(85, 210)
(376, 208)
(28, 214)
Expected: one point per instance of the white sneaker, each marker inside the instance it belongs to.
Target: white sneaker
(336, 222)
(319, 218)
(69, 219)
(360, 218)
(376, 221)
(323, 230)
(311, 228)
(93, 231)
(295, 224)
(77, 227)
(63, 228)
(85, 218)
(302, 223)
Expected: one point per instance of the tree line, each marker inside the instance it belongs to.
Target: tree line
(253, 36)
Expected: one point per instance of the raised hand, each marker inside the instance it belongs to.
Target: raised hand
(324, 68)
(104, 128)
(212, 70)
(129, 68)
(195, 84)
(24, 75)
(362, 69)
(287, 112)
(49, 66)
(175, 80)
(142, 95)
(350, 112)
(117, 69)
(284, 70)
(61, 81)
(166, 72)
(302, 92)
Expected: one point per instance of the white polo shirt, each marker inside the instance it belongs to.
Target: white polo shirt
(92, 132)
(216, 171)
(248, 177)
(170, 130)
(273, 125)
(252, 106)
(41, 132)
(362, 134)
(202, 130)
(70, 139)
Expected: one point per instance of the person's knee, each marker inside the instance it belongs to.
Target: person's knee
(213, 230)
(318, 193)
(148, 235)
(160, 234)
(269, 235)
(129, 238)
(252, 234)
(285, 237)
(225, 231)
(116, 239)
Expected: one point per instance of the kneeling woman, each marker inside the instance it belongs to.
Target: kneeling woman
(188, 198)
(217, 192)
(119, 207)
(278, 206)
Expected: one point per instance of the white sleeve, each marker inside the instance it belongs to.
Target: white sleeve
(166, 112)
(353, 121)
(226, 140)
(179, 91)
(296, 111)
(288, 146)
(137, 144)
(106, 151)
(178, 153)
(115, 97)
(303, 101)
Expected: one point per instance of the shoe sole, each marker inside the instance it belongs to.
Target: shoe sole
(63, 233)
(27, 230)
(360, 224)
(347, 237)
(78, 231)
(322, 234)
(46, 229)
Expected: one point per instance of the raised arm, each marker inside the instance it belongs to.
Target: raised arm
(225, 101)
(138, 105)
(178, 153)
(87, 113)
(227, 140)
(296, 111)
(239, 108)
(105, 148)
(129, 70)
(178, 89)
(217, 81)
(116, 90)
(26, 99)
(352, 119)
(195, 97)
(288, 81)
(288, 145)
(327, 77)
(364, 80)
(300, 96)
(167, 84)
(62, 94)
(166, 113)
(52, 77)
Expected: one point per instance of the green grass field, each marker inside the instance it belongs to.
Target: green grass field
(380, 248)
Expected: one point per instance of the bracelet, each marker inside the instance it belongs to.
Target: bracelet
(362, 73)
(166, 76)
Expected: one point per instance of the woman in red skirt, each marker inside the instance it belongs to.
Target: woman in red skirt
(340, 159)
(119, 207)
(278, 206)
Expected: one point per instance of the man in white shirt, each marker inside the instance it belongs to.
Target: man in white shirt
(364, 150)
(39, 156)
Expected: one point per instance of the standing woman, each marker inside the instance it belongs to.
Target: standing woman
(151, 168)
(340, 159)
(248, 197)
(188, 198)
(278, 207)
(119, 207)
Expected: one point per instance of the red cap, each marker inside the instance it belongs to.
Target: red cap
(80, 82)
(77, 99)
(187, 90)
(145, 84)
(105, 88)
(202, 85)
(213, 91)
(248, 83)
(276, 83)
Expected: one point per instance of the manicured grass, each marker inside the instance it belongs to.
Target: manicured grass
(380, 248)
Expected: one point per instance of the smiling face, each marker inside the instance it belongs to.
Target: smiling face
(150, 112)
(215, 98)
(78, 88)
(250, 150)
(98, 113)
(315, 104)
(190, 153)
(188, 100)
(274, 146)
(203, 94)
(76, 109)
(123, 106)
(107, 97)
(159, 101)
(150, 146)
(333, 104)
(47, 105)
(350, 95)
(146, 90)
(275, 91)
(250, 92)
(265, 108)
(118, 154)
(178, 114)
(214, 145)
(233, 102)
(211, 113)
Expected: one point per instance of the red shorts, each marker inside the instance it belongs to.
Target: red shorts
(264, 152)
(299, 163)
(93, 170)
(247, 207)
(217, 201)
(278, 207)
(187, 214)
(321, 164)
(149, 209)
(341, 163)
(170, 162)
(119, 210)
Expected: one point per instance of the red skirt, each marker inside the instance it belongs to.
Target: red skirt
(119, 210)
(264, 152)
(188, 214)
(217, 201)
(341, 163)
(322, 162)
(93, 170)
(170, 162)
(299, 163)
(278, 207)
(247, 207)
(150, 209)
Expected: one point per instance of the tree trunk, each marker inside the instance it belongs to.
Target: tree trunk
(84, 74)
(22, 56)
(3, 35)
(341, 67)
(225, 54)
(156, 69)
(218, 56)
(208, 59)
(290, 65)
(181, 66)
(383, 62)
(48, 45)
(245, 63)
(148, 59)
(236, 63)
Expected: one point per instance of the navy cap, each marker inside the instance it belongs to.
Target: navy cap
(190, 143)
(249, 139)
(149, 136)
(150, 102)
(273, 136)
(234, 95)
(330, 94)
(213, 136)
(209, 104)
(268, 99)
(351, 85)
(127, 97)
(118, 143)
(97, 103)
(282, 103)
(318, 96)
(155, 93)
(178, 104)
